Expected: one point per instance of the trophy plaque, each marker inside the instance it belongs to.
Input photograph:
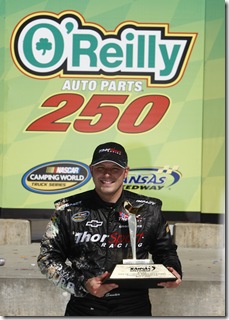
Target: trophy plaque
(138, 273)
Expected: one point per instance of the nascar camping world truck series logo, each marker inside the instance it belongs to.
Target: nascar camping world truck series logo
(56, 176)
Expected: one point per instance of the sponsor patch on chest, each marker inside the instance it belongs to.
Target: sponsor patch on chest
(80, 216)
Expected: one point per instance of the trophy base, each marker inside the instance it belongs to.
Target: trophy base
(137, 261)
(140, 275)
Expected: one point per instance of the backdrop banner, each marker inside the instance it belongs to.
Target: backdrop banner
(147, 74)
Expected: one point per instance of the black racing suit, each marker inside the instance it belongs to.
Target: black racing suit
(87, 236)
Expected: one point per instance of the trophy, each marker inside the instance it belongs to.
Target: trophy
(138, 273)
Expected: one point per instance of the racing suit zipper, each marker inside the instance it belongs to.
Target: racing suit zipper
(108, 218)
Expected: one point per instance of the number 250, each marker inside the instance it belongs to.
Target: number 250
(101, 112)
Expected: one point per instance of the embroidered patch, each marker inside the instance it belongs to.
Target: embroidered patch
(123, 216)
(80, 216)
(94, 223)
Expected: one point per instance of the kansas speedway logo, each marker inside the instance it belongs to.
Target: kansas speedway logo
(56, 177)
(155, 178)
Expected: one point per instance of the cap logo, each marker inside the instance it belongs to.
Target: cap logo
(111, 150)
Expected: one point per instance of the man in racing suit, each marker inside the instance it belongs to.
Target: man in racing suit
(88, 235)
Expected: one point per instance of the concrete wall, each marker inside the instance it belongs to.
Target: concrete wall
(38, 297)
(187, 235)
(197, 296)
(192, 299)
(15, 231)
(199, 235)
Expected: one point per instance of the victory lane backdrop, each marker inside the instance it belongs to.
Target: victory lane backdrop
(80, 73)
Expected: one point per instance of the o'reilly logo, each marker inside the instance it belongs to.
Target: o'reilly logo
(55, 177)
(45, 44)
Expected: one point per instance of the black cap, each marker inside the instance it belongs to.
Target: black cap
(110, 151)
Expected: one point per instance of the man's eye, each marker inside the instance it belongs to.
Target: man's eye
(110, 170)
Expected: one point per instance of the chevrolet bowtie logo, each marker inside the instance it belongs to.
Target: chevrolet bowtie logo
(94, 223)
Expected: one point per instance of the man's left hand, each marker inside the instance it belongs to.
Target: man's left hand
(171, 284)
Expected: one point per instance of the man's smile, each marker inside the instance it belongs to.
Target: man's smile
(107, 181)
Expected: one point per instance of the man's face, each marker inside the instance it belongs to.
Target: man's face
(108, 179)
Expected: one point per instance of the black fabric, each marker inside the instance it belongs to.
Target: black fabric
(110, 151)
(92, 306)
(94, 237)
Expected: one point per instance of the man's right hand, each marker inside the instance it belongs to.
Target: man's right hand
(96, 287)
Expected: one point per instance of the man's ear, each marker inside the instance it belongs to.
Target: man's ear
(127, 171)
(91, 169)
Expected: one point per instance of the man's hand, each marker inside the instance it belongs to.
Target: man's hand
(171, 284)
(96, 287)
